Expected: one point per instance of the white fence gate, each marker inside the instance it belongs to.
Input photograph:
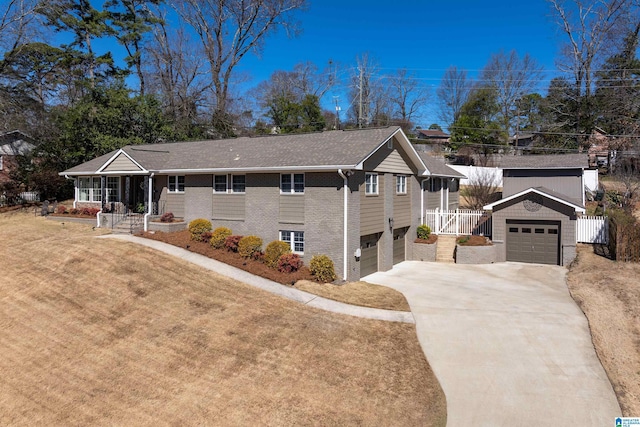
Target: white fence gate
(592, 229)
(458, 222)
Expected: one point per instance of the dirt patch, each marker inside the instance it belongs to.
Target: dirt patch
(358, 293)
(103, 332)
(609, 294)
(473, 241)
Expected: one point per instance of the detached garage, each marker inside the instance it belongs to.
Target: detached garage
(536, 225)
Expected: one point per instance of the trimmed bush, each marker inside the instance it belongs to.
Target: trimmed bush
(167, 217)
(231, 243)
(206, 236)
(197, 227)
(288, 263)
(74, 211)
(423, 231)
(274, 251)
(218, 237)
(249, 246)
(61, 209)
(322, 268)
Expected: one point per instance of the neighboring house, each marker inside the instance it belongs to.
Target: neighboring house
(535, 221)
(12, 144)
(352, 195)
(435, 136)
(522, 142)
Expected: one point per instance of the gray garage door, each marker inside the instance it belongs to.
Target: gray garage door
(399, 244)
(369, 255)
(534, 242)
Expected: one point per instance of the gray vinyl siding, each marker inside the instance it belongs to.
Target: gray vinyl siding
(228, 206)
(167, 202)
(122, 163)
(292, 208)
(198, 196)
(432, 198)
(563, 181)
(454, 197)
(549, 211)
(402, 207)
(372, 208)
(393, 160)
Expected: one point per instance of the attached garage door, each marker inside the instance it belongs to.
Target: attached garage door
(369, 255)
(534, 242)
(399, 244)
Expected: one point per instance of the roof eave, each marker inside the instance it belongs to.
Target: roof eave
(576, 207)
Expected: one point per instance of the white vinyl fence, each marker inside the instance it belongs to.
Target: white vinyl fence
(458, 222)
(592, 229)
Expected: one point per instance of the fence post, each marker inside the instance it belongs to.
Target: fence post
(437, 222)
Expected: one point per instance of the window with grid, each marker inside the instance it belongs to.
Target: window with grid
(371, 183)
(295, 239)
(401, 184)
(220, 184)
(292, 183)
(113, 189)
(238, 183)
(176, 184)
(84, 189)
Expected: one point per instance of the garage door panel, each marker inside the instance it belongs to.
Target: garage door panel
(534, 243)
(399, 239)
(369, 254)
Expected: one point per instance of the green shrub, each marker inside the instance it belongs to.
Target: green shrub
(322, 268)
(231, 243)
(289, 263)
(249, 246)
(197, 227)
(423, 231)
(274, 251)
(218, 237)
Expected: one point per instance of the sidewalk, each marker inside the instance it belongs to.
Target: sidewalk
(268, 285)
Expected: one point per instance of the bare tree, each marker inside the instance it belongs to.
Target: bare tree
(368, 95)
(512, 77)
(228, 30)
(18, 22)
(482, 188)
(407, 97)
(452, 93)
(176, 71)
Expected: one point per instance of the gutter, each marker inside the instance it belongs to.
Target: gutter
(345, 188)
(149, 203)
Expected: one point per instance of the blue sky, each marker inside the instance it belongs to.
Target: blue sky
(424, 36)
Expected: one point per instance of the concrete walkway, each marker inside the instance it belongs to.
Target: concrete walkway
(507, 342)
(268, 285)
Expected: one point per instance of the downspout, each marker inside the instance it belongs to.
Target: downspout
(149, 203)
(422, 201)
(345, 188)
(75, 189)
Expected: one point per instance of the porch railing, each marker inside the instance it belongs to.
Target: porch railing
(458, 222)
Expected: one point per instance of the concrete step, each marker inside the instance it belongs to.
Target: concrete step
(445, 248)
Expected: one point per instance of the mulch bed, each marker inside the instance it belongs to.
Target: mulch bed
(431, 240)
(182, 239)
(473, 241)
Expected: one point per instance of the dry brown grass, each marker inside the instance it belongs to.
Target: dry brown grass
(101, 332)
(358, 293)
(609, 294)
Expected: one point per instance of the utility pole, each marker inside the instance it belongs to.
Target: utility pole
(360, 101)
(337, 124)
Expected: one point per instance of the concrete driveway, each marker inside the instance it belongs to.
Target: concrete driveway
(507, 342)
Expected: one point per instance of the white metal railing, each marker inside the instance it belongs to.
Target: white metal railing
(592, 229)
(458, 222)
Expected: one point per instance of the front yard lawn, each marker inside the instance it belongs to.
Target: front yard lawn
(103, 332)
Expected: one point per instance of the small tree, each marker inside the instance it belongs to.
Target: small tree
(482, 189)
(628, 173)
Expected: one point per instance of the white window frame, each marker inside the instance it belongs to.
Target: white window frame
(292, 190)
(295, 239)
(112, 196)
(226, 184)
(90, 188)
(401, 184)
(176, 189)
(244, 184)
(371, 183)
